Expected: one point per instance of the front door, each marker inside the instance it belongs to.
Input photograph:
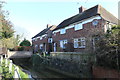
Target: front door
(54, 47)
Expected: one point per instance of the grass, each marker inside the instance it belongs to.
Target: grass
(5, 71)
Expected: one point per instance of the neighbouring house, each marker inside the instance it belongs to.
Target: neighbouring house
(79, 32)
(42, 42)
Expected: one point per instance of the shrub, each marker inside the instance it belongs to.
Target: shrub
(20, 48)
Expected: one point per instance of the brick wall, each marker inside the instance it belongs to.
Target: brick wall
(100, 72)
(38, 42)
(71, 56)
(87, 31)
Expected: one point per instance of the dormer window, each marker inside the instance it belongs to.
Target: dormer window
(41, 38)
(62, 31)
(78, 26)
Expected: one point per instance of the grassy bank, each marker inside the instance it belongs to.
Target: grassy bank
(6, 74)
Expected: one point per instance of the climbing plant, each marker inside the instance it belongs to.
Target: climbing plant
(108, 49)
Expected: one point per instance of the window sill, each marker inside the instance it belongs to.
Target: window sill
(77, 29)
(63, 33)
(80, 47)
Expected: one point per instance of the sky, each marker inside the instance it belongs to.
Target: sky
(29, 17)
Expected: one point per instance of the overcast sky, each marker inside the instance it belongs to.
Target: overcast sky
(31, 16)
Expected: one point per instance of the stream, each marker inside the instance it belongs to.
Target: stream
(43, 73)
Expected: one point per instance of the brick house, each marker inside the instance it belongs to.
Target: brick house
(78, 32)
(42, 41)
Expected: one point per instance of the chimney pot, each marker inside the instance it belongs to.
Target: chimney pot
(81, 9)
(48, 25)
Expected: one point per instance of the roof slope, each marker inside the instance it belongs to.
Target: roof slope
(42, 32)
(96, 10)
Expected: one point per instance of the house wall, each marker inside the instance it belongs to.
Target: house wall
(87, 32)
(38, 42)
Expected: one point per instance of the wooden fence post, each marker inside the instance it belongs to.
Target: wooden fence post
(16, 73)
(1, 59)
(6, 62)
(10, 66)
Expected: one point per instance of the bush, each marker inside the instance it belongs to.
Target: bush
(25, 43)
(20, 48)
(108, 49)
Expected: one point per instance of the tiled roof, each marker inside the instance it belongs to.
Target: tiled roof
(96, 10)
(42, 32)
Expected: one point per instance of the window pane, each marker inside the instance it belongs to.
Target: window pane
(78, 26)
(79, 44)
(75, 43)
(79, 40)
(61, 44)
(62, 31)
(83, 39)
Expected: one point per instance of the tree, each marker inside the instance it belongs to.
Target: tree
(6, 27)
(16, 40)
(25, 43)
(108, 49)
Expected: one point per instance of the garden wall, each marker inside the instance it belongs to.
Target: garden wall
(17, 54)
(71, 56)
(76, 64)
(100, 72)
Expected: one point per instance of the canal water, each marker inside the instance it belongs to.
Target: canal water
(43, 73)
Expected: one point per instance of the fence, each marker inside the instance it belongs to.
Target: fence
(13, 69)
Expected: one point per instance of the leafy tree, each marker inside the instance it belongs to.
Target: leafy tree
(7, 30)
(108, 49)
(6, 27)
(16, 40)
(13, 41)
(25, 43)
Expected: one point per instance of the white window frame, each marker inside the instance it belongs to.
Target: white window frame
(41, 46)
(82, 41)
(35, 39)
(62, 43)
(41, 37)
(63, 31)
(78, 26)
(36, 46)
(54, 33)
(50, 40)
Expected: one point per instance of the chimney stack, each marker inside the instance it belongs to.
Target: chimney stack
(48, 25)
(81, 9)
